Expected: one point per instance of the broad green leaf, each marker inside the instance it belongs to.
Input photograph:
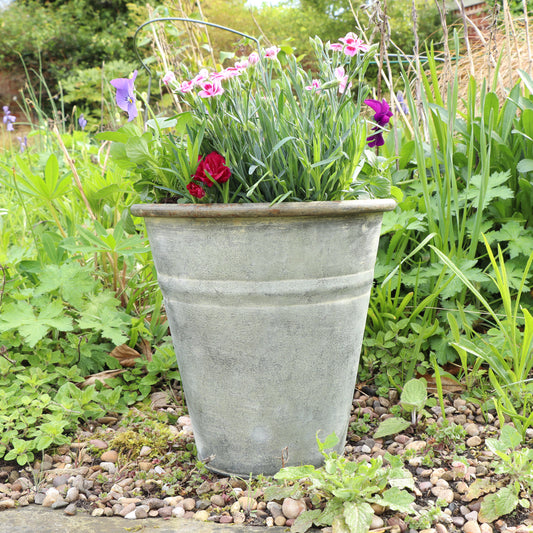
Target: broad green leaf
(499, 504)
(333, 509)
(339, 525)
(510, 437)
(524, 166)
(391, 426)
(401, 478)
(161, 123)
(22, 317)
(397, 500)
(329, 442)
(478, 488)
(295, 472)
(137, 150)
(414, 394)
(51, 170)
(279, 492)
(305, 521)
(358, 516)
(115, 136)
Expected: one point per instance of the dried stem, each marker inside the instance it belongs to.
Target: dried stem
(460, 4)
(74, 171)
(528, 47)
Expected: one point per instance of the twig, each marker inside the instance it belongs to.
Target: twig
(3, 351)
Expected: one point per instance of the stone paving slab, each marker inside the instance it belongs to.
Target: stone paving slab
(37, 519)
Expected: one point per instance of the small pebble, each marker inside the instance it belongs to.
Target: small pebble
(178, 512)
(471, 527)
(188, 504)
(377, 522)
(201, 516)
(98, 443)
(280, 520)
(239, 518)
(416, 445)
(108, 467)
(472, 442)
(472, 430)
(52, 495)
(7, 504)
(247, 504)
(109, 456)
(70, 509)
(293, 508)
(145, 451)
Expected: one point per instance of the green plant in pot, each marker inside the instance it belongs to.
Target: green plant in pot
(271, 194)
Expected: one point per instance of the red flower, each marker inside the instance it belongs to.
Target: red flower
(195, 190)
(213, 165)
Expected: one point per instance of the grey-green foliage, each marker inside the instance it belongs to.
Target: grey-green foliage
(349, 488)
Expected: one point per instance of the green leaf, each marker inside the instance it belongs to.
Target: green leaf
(329, 442)
(137, 150)
(510, 437)
(391, 426)
(51, 171)
(401, 478)
(161, 123)
(115, 136)
(73, 281)
(21, 316)
(499, 504)
(100, 314)
(279, 492)
(414, 395)
(331, 511)
(295, 472)
(358, 516)
(305, 521)
(397, 500)
(524, 166)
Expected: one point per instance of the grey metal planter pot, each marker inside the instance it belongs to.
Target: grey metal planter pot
(267, 307)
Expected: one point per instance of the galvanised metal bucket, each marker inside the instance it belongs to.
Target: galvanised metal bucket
(267, 307)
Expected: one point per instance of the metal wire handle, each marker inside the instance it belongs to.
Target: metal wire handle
(179, 19)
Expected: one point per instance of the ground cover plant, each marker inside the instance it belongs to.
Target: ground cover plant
(84, 342)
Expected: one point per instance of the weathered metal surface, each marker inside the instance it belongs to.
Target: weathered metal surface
(267, 316)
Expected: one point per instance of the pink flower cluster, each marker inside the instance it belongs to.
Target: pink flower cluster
(340, 76)
(350, 45)
(210, 84)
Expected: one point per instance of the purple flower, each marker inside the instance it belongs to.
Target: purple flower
(125, 95)
(375, 140)
(82, 122)
(23, 143)
(382, 111)
(381, 117)
(401, 101)
(8, 119)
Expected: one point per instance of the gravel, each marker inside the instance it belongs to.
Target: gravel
(90, 476)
